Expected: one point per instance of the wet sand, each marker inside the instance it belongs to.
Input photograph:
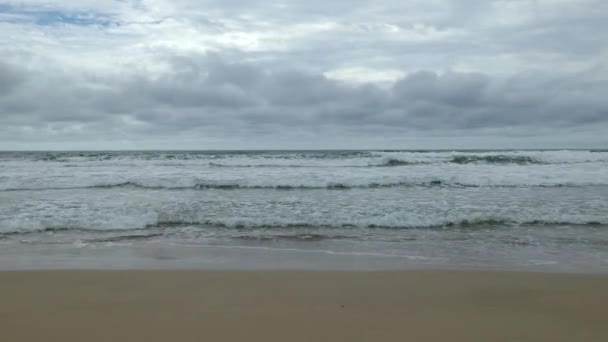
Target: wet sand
(302, 306)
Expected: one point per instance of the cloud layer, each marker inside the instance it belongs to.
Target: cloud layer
(185, 74)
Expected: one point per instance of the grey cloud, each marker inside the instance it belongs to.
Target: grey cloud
(457, 89)
(10, 77)
(217, 96)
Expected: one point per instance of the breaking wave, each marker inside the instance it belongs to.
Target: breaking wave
(382, 163)
(495, 159)
(302, 158)
(165, 227)
(285, 187)
(397, 162)
(413, 224)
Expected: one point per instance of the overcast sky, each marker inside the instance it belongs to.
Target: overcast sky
(237, 74)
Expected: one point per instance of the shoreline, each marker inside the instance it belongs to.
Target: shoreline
(141, 305)
(301, 257)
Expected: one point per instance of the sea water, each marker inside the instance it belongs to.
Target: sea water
(537, 210)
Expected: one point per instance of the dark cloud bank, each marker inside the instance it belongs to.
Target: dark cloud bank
(205, 101)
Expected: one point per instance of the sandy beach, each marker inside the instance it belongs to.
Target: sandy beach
(301, 306)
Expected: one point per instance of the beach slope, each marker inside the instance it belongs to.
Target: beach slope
(301, 306)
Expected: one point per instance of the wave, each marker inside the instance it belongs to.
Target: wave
(383, 163)
(463, 223)
(495, 159)
(294, 237)
(329, 186)
(71, 156)
(275, 165)
(397, 162)
(301, 159)
(164, 228)
(55, 229)
(122, 238)
(306, 237)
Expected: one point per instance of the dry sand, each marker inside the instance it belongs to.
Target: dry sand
(301, 306)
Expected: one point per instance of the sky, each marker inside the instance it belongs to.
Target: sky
(340, 74)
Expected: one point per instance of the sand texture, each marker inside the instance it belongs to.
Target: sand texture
(301, 306)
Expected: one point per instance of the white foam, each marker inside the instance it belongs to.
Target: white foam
(556, 168)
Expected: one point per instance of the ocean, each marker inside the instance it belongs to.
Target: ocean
(384, 209)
